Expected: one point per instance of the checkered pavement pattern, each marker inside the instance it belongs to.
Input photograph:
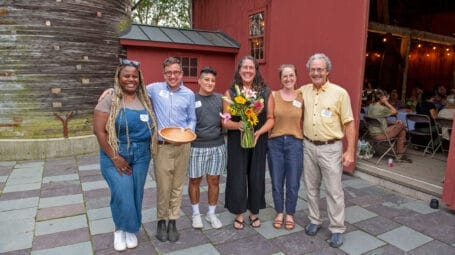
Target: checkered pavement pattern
(61, 206)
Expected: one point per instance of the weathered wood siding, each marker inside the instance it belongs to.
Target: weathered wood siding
(56, 56)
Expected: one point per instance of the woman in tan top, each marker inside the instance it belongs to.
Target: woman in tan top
(285, 147)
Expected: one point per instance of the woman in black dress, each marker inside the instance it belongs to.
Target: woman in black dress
(245, 184)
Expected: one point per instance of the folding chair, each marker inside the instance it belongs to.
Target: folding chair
(389, 142)
(420, 118)
(443, 124)
(363, 130)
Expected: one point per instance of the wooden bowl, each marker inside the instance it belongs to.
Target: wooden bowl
(177, 135)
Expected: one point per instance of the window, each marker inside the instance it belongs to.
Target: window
(256, 36)
(189, 66)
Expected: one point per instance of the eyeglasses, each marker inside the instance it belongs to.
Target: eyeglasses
(126, 62)
(317, 70)
(170, 73)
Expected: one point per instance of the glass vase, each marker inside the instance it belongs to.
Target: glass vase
(247, 137)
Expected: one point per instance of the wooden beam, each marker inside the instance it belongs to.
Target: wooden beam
(412, 33)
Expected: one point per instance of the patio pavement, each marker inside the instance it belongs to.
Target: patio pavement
(61, 206)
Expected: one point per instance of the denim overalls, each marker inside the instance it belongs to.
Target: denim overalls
(127, 190)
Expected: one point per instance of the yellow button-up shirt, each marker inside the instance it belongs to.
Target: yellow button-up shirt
(326, 111)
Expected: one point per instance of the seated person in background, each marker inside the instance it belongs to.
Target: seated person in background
(440, 96)
(447, 113)
(414, 98)
(380, 108)
(367, 92)
(394, 99)
(427, 107)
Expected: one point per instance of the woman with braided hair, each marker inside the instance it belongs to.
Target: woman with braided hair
(125, 127)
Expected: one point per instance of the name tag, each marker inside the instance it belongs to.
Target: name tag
(326, 113)
(164, 93)
(144, 117)
(197, 104)
(297, 104)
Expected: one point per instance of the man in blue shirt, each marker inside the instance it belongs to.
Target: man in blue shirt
(173, 104)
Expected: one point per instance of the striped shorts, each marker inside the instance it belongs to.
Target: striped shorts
(207, 161)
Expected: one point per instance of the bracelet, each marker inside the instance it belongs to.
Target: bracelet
(114, 157)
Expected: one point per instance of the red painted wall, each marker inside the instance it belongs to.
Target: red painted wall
(448, 191)
(152, 58)
(295, 30)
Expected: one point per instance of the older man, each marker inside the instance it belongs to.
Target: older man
(328, 118)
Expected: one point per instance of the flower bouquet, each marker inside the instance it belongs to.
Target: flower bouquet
(246, 105)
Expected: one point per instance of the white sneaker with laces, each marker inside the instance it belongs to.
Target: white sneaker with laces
(197, 221)
(216, 223)
(119, 240)
(131, 240)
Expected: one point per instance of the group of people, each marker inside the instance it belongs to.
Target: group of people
(432, 103)
(297, 129)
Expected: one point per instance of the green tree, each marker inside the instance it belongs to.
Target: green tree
(171, 13)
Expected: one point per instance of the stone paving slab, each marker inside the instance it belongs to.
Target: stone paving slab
(101, 226)
(13, 187)
(69, 214)
(94, 185)
(60, 211)
(405, 238)
(58, 178)
(16, 234)
(62, 238)
(61, 200)
(377, 225)
(20, 195)
(73, 249)
(358, 242)
(26, 213)
(60, 188)
(19, 204)
(205, 249)
(61, 224)
(356, 213)
(420, 207)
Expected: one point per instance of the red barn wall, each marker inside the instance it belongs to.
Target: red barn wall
(294, 31)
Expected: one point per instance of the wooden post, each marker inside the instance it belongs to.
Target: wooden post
(405, 48)
(64, 120)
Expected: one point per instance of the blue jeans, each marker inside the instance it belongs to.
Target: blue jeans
(285, 158)
(127, 191)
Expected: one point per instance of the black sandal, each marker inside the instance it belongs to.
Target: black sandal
(242, 223)
(252, 221)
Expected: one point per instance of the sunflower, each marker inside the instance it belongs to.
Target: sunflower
(240, 100)
(232, 111)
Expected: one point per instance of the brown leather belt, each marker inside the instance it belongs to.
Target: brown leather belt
(317, 143)
(163, 142)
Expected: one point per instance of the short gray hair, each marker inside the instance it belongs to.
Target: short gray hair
(328, 64)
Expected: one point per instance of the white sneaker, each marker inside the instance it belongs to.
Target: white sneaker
(119, 240)
(131, 240)
(197, 221)
(211, 217)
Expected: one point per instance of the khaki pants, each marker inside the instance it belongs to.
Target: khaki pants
(171, 164)
(324, 162)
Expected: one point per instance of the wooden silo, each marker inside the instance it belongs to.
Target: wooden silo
(56, 57)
